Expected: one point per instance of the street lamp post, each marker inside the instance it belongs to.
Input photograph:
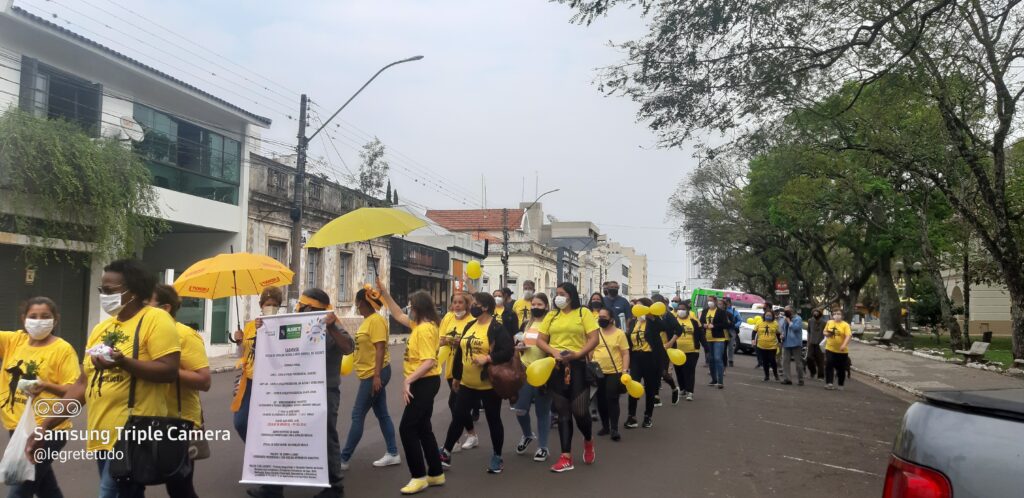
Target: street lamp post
(300, 175)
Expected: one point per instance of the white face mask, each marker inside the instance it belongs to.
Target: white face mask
(561, 302)
(683, 313)
(712, 305)
(837, 317)
(111, 303)
(528, 294)
(460, 314)
(498, 301)
(269, 310)
(38, 328)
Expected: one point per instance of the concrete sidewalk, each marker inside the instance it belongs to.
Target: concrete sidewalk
(915, 374)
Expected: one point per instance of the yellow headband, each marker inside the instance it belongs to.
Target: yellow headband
(313, 303)
(373, 297)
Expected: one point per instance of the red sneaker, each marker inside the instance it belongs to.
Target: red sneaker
(564, 464)
(588, 452)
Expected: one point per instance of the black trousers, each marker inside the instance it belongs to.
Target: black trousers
(815, 361)
(644, 368)
(608, 391)
(465, 400)
(416, 431)
(767, 359)
(687, 372)
(571, 401)
(451, 408)
(836, 365)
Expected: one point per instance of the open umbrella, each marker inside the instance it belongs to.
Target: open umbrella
(234, 274)
(365, 224)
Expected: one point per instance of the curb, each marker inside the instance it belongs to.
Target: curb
(889, 382)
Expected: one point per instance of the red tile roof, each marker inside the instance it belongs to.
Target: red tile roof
(467, 220)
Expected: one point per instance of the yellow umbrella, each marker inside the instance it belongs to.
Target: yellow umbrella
(235, 274)
(365, 224)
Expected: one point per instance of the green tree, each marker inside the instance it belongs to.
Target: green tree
(373, 171)
(62, 187)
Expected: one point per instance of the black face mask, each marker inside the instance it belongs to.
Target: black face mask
(789, 314)
(611, 292)
(604, 322)
(476, 311)
(595, 305)
(538, 312)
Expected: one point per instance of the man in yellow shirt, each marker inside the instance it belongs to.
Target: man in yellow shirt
(522, 306)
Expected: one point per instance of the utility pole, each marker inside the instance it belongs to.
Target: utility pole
(504, 251)
(297, 201)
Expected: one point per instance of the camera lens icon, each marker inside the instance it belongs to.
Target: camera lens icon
(56, 407)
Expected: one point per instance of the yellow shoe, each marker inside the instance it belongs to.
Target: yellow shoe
(436, 480)
(415, 486)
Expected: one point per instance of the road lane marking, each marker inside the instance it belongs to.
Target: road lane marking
(848, 469)
(763, 387)
(830, 433)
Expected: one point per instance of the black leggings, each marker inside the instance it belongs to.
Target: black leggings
(608, 391)
(644, 368)
(767, 358)
(687, 372)
(451, 408)
(836, 365)
(571, 401)
(465, 400)
(666, 373)
(416, 432)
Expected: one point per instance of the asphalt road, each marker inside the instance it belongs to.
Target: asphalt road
(750, 439)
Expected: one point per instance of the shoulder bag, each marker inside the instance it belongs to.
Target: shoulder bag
(507, 378)
(151, 462)
(594, 373)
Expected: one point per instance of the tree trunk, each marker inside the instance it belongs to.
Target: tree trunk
(945, 305)
(849, 302)
(1015, 286)
(967, 294)
(888, 299)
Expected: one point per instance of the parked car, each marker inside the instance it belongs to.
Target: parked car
(960, 443)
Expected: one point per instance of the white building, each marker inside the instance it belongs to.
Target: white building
(195, 144)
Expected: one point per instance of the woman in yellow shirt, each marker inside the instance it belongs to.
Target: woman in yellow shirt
(193, 374)
(484, 341)
(125, 288)
(270, 303)
(373, 368)
(690, 341)
(47, 367)
(569, 335)
(645, 348)
(612, 353)
(767, 344)
(526, 345)
(422, 381)
(452, 326)
(837, 352)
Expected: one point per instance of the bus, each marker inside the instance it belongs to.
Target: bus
(740, 300)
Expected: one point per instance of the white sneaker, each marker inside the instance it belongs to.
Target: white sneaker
(457, 448)
(388, 460)
(471, 442)
(344, 465)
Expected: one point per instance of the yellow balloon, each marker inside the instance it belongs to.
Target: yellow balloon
(473, 270)
(626, 379)
(751, 320)
(640, 310)
(658, 308)
(635, 389)
(677, 357)
(757, 320)
(348, 363)
(538, 373)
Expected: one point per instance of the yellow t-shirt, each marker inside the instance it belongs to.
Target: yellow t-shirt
(532, 352)
(193, 357)
(422, 346)
(248, 359)
(475, 342)
(567, 330)
(840, 331)
(522, 309)
(709, 319)
(452, 327)
(498, 311)
(374, 329)
(767, 337)
(157, 338)
(686, 342)
(639, 336)
(616, 341)
(57, 363)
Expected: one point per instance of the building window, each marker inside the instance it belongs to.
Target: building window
(625, 271)
(313, 267)
(278, 250)
(187, 158)
(276, 180)
(316, 191)
(344, 270)
(52, 94)
(372, 268)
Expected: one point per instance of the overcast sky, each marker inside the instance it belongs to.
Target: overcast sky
(505, 93)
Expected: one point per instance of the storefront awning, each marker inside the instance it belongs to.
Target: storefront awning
(420, 272)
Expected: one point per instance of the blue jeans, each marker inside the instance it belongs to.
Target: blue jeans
(542, 407)
(365, 399)
(717, 365)
(242, 415)
(109, 488)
